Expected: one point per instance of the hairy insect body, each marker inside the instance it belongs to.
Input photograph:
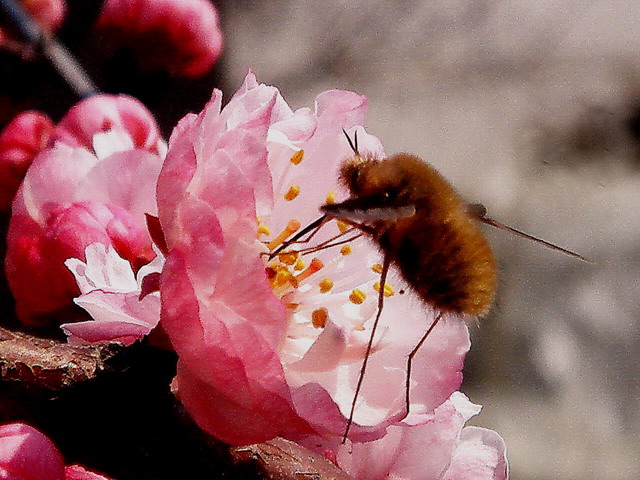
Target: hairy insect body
(438, 249)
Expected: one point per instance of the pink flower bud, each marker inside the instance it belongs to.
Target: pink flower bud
(25, 453)
(48, 13)
(109, 113)
(179, 36)
(20, 141)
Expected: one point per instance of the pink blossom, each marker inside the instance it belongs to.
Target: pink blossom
(25, 453)
(252, 364)
(441, 447)
(110, 293)
(25, 136)
(72, 197)
(179, 36)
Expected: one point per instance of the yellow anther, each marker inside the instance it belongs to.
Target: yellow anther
(292, 193)
(388, 289)
(377, 268)
(343, 226)
(331, 198)
(263, 230)
(299, 264)
(319, 317)
(292, 306)
(292, 227)
(297, 157)
(284, 277)
(325, 285)
(357, 296)
(288, 258)
(346, 249)
(313, 267)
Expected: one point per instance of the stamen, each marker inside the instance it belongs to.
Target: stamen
(313, 267)
(288, 258)
(292, 193)
(377, 268)
(297, 157)
(388, 289)
(357, 296)
(346, 250)
(292, 227)
(343, 226)
(292, 306)
(319, 317)
(299, 265)
(331, 198)
(325, 285)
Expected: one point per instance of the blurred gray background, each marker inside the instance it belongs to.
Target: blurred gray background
(532, 108)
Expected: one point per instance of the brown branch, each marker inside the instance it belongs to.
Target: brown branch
(281, 459)
(49, 363)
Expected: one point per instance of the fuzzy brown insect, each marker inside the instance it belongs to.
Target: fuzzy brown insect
(424, 229)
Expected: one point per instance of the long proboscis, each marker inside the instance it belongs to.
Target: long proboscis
(315, 224)
(479, 212)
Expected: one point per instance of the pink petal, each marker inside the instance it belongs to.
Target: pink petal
(77, 472)
(25, 136)
(480, 455)
(25, 453)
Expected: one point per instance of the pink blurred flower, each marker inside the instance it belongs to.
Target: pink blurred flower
(110, 292)
(25, 136)
(72, 197)
(48, 14)
(179, 36)
(26, 454)
(440, 447)
(277, 350)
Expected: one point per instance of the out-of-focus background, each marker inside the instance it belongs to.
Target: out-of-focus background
(532, 108)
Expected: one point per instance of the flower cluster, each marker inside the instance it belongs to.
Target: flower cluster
(267, 344)
(70, 198)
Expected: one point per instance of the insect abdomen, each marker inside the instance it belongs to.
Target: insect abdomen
(449, 264)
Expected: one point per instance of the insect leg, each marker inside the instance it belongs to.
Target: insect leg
(413, 354)
(383, 278)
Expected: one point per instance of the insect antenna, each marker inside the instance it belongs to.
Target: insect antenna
(479, 212)
(383, 278)
(353, 144)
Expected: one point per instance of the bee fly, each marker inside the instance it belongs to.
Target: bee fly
(424, 229)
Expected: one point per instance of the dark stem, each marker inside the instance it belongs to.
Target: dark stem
(56, 53)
